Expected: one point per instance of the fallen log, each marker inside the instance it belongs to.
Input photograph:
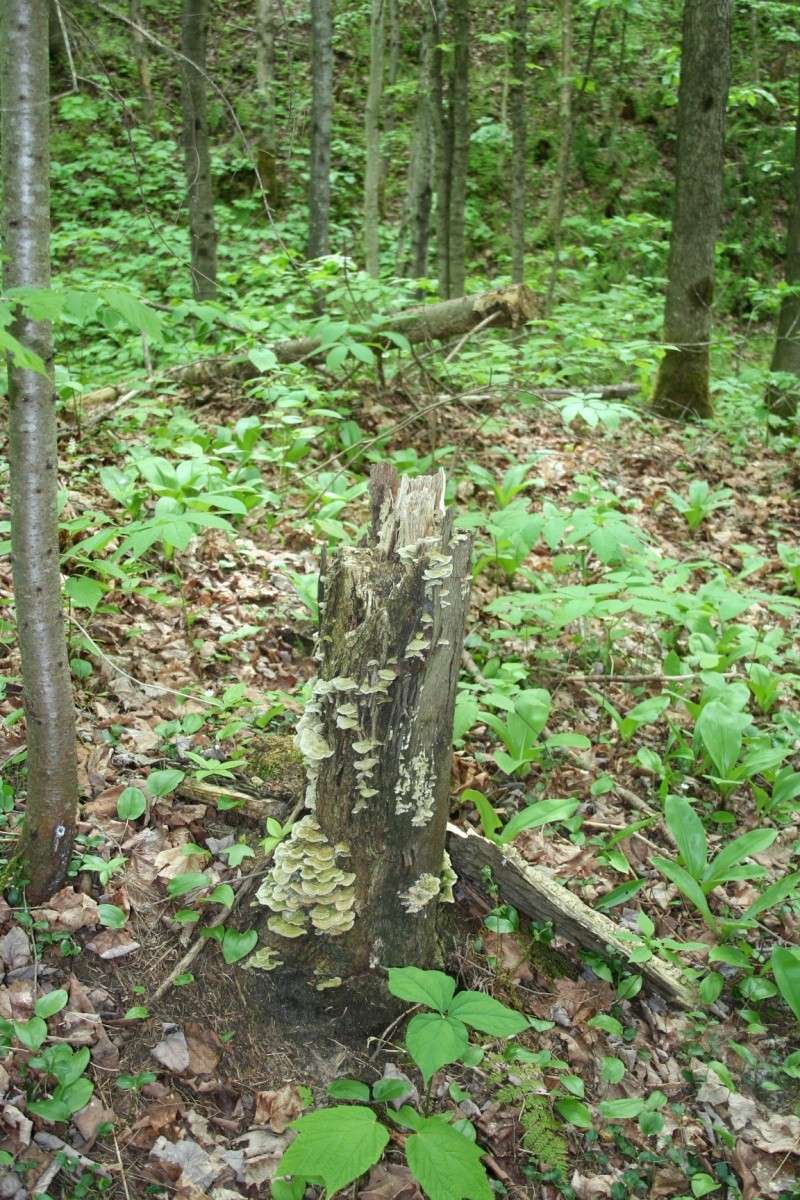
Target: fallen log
(535, 893)
(508, 308)
(609, 391)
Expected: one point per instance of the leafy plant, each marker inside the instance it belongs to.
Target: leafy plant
(699, 502)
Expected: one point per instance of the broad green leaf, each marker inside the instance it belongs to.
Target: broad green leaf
(619, 895)
(775, 894)
(132, 804)
(335, 1145)
(483, 1012)
(31, 1033)
(161, 783)
(223, 894)
(754, 842)
(182, 884)
(78, 1094)
(49, 1110)
(433, 1041)
(262, 358)
(386, 1090)
(49, 1005)
(720, 731)
(786, 969)
(690, 888)
(446, 1164)
(607, 1023)
(575, 1112)
(689, 833)
(612, 1070)
(349, 1089)
(84, 592)
(543, 812)
(620, 1110)
(434, 989)
(236, 945)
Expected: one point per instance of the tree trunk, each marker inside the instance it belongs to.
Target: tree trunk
(372, 133)
(459, 101)
(202, 231)
(517, 94)
(266, 156)
(140, 53)
(420, 190)
(444, 147)
(357, 884)
(319, 191)
(682, 387)
(51, 811)
(782, 394)
(555, 215)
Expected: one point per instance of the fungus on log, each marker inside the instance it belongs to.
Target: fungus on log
(356, 885)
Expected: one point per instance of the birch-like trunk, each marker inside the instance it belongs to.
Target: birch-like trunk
(266, 149)
(517, 96)
(783, 394)
(682, 387)
(202, 230)
(51, 810)
(319, 190)
(372, 133)
(459, 100)
(142, 57)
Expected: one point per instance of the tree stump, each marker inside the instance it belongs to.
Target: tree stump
(356, 885)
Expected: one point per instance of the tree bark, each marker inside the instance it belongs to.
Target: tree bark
(782, 395)
(443, 132)
(142, 57)
(202, 230)
(51, 810)
(518, 115)
(682, 387)
(555, 216)
(459, 102)
(508, 308)
(372, 134)
(319, 191)
(420, 175)
(266, 155)
(357, 884)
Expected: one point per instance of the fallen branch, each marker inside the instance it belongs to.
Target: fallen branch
(611, 391)
(538, 895)
(258, 808)
(509, 308)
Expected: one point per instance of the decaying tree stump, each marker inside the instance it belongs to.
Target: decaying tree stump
(356, 885)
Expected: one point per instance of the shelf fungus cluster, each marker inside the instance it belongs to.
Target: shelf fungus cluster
(306, 887)
(430, 887)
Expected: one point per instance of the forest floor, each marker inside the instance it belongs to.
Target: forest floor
(200, 1084)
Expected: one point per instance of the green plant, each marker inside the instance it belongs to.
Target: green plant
(786, 969)
(699, 502)
(533, 816)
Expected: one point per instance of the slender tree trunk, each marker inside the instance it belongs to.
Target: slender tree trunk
(682, 387)
(142, 57)
(372, 132)
(555, 215)
(319, 192)
(517, 96)
(420, 175)
(52, 769)
(444, 147)
(459, 100)
(782, 395)
(356, 886)
(266, 156)
(202, 230)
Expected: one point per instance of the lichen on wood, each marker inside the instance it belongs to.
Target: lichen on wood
(376, 741)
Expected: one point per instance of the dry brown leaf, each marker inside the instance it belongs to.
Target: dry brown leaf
(15, 950)
(204, 1048)
(69, 910)
(262, 1153)
(88, 1120)
(777, 1134)
(172, 1052)
(389, 1181)
(278, 1109)
(112, 943)
(17, 1126)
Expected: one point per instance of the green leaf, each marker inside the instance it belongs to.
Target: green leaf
(541, 813)
(612, 1069)
(386, 1090)
(446, 1164)
(49, 1110)
(434, 989)
(31, 1033)
(702, 1184)
(222, 894)
(262, 358)
(84, 592)
(49, 1005)
(111, 915)
(137, 315)
(78, 1094)
(775, 894)
(690, 888)
(619, 895)
(786, 969)
(620, 1110)
(236, 945)
(137, 1013)
(754, 842)
(182, 884)
(433, 1041)
(132, 804)
(689, 833)
(483, 1012)
(608, 1024)
(336, 1145)
(720, 730)
(575, 1112)
(350, 1089)
(161, 783)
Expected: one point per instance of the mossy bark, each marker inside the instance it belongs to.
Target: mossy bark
(783, 393)
(357, 886)
(319, 181)
(197, 155)
(682, 387)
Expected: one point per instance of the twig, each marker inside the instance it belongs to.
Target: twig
(198, 944)
(462, 341)
(123, 1177)
(49, 1141)
(155, 687)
